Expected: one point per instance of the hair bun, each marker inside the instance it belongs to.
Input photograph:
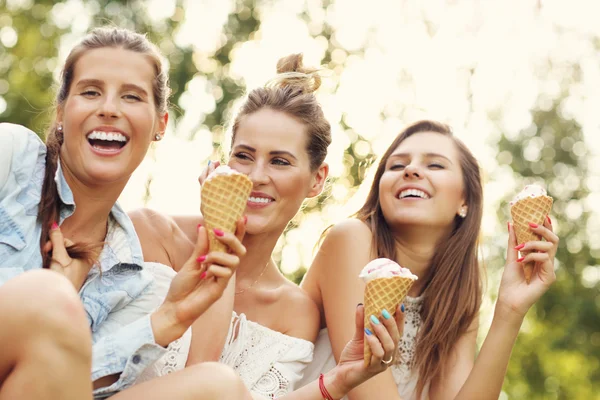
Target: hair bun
(291, 72)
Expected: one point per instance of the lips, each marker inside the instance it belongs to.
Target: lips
(107, 142)
(259, 200)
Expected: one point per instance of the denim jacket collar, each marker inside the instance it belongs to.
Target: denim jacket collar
(122, 245)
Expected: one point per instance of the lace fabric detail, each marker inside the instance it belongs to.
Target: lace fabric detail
(174, 360)
(402, 371)
(269, 362)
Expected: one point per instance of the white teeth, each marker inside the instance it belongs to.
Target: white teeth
(413, 192)
(108, 136)
(259, 200)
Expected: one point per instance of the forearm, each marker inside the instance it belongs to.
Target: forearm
(312, 391)
(380, 386)
(487, 376)
(209, 332)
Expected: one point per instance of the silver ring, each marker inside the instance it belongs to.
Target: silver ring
(388, 362)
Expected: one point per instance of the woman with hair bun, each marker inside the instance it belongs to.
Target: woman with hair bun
(279, 140)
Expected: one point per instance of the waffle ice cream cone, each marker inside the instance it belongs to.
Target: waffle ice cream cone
(531, 205)
(223, 200)
(386, 287)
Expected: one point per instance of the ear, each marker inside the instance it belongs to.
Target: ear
(59, 115)
(163, 120)
(318, 180)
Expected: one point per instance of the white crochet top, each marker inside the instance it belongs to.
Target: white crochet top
(405, 378)
(269, 362)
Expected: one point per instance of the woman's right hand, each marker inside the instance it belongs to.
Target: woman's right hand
(198, 284)
(351, 370)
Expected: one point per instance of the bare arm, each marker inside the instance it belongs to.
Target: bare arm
(344, 252)
(484, 381)
(209, 332)
(165, 241)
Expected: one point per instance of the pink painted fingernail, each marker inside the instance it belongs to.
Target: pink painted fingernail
(218, 232)
(201, 259)
(54, 226)
(199, 226)
(549, 220)
(519, 247)
(203, 275)
(520, 259)
(508, 226)
(531, 224)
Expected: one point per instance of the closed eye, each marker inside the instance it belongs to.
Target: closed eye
(90, 93)
(132, 97)
(242, 156)
(397, 167)
(436, 166)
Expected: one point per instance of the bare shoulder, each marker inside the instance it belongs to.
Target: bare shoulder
(301, 314)
(350, 228)
(161, 238)
(347, 240)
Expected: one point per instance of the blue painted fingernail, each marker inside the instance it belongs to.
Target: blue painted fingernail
(386, 314)
(402, 308)
(368, 332)
(374, 320)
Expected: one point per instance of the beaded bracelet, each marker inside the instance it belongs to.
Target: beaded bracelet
(323, 389)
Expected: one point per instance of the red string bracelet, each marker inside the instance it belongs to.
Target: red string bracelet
(323, 389)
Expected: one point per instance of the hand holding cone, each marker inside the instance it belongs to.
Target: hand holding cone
(223, 201)
(387, 284)
(531, 208)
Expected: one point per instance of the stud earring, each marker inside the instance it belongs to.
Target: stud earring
(157, 137)
(59, 128)
(463, 212)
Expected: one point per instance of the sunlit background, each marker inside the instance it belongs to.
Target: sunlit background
(518, 80)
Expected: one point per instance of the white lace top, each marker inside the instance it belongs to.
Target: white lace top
(406, 379)
(269, 362)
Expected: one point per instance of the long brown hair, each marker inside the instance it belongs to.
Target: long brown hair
(452, 290)
(49, 207)
(291, 92)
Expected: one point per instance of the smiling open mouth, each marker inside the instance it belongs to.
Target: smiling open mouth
(107, 141)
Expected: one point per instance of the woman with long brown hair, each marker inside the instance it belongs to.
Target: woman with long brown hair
(424, 211)
(61, 232)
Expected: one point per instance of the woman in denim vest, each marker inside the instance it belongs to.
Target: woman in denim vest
(58, 212)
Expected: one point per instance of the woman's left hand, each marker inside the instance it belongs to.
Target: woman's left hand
(515, 294)
(384, 338)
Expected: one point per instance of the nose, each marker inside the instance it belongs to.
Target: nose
(258, 174)
(109, 107)
(412, 171)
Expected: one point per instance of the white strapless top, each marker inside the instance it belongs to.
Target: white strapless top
(270, 363)
(406, 379)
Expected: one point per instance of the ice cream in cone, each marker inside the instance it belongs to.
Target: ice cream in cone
(530, 205)
(223, 201)
(387, 286)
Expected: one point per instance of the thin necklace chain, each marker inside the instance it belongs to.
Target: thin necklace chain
(257, 279)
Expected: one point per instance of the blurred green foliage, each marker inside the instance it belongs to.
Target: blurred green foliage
(556, 357)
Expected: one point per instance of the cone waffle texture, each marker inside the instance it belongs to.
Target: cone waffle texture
(380, 294)
(223, 201)
(524, 211)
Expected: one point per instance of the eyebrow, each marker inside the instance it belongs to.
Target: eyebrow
(428, 155)
(273, 153)
(97, 82)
